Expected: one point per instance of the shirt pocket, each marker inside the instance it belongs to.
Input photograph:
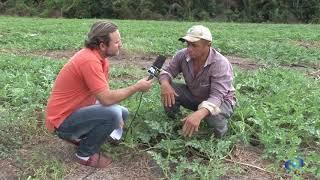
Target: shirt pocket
(204, 88)
(204, 84)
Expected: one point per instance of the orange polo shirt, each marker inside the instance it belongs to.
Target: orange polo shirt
(85, 75)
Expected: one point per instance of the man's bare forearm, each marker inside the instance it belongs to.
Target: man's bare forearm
(202, 113)
(164, 82)
(109, 97)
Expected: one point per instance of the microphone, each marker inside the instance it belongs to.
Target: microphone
(156, 67)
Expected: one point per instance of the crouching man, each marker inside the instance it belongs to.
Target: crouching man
(208, 89)
(72, 111)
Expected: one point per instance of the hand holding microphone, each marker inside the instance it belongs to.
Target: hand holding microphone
(145, 83)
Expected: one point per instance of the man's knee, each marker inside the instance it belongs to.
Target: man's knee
(219, 124)
(114, 111)
(125, 113)
(219, 132)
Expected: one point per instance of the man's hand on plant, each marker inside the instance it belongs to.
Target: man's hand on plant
(191, 124)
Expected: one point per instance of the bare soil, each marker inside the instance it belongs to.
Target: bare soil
(307, 44)
(138, 59)
(8, 170)
(130, 164)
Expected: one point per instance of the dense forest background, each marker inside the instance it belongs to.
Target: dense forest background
(284, 11)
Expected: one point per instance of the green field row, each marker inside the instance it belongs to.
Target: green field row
(267, 43)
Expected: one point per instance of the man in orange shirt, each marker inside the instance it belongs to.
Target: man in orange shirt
(72, 111)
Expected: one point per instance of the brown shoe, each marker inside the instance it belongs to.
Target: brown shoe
(97, 160)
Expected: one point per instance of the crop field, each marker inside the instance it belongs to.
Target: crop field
(277, 72)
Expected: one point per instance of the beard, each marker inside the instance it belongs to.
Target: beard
(111, 53)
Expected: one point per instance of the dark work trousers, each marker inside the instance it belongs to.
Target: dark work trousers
(219, 122)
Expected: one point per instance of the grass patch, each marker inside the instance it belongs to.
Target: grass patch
(268, 43)
(25, 85)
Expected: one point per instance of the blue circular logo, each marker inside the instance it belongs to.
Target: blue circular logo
(294, 165)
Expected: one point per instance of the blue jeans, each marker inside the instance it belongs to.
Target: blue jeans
(92, 124)
(218, 123)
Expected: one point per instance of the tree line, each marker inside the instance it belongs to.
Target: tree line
(285, 11)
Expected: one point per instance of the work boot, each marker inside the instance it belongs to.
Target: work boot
(96, 160)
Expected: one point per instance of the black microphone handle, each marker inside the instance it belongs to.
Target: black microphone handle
(155, 68)
(150, 77)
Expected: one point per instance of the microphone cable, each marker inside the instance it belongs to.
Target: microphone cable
(154, 72)
(134, 117)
